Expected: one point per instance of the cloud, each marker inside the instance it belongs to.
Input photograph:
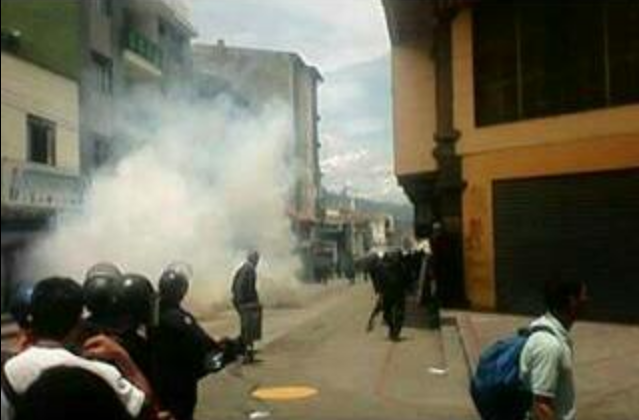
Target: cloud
(364, 170)
(332, 33)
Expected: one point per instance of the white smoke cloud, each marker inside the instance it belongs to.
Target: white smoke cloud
(204, 184)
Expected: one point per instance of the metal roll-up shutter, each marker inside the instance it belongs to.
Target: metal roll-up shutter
(579, 226)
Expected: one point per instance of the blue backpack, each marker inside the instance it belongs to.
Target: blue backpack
(496, 387)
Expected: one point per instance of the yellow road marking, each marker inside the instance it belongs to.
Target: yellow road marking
(287, 393)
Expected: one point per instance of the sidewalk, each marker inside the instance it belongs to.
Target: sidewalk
(606, 361)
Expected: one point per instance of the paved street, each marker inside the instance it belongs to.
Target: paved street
(323, 345)
(320, 342)
(358, 375)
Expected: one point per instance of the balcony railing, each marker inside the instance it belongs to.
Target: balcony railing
(33, 187)
(144, 47)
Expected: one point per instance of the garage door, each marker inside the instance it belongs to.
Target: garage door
(579, 227)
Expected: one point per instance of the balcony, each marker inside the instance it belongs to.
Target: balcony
(143, 58)
(29, 188)
(177, 12)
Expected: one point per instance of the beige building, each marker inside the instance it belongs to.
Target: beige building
(40, 155)
(255, 79)
(517, 125)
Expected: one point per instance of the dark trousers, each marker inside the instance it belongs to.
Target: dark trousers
(394, 315)
(378, 309)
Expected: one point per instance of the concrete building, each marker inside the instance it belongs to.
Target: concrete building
(354, 228)
(114, 48)
(517, 125)
(254, 79)
(128, 47)
(65, 67)
(40, 153)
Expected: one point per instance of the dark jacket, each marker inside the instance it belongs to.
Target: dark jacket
(244, 285)
(180, 347)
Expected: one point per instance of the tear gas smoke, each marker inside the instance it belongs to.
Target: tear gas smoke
(203, 183)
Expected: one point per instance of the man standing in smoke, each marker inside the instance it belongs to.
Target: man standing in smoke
(247, 303)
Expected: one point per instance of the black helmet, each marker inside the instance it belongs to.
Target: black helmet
(104, 269)
(20, 305)
(101, 295)
(138, 300)
(181, 268)
(174, 283)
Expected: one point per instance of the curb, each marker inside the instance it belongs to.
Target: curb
(469, 339)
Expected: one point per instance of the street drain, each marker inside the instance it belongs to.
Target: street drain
(289, 393)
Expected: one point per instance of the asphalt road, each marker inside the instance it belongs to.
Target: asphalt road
(324, 346)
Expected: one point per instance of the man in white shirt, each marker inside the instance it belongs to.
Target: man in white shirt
(56, 310)
(546, 363)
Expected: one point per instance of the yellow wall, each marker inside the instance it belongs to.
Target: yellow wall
(414, 108)
(28, 89)
(592, 155)
(591, 141)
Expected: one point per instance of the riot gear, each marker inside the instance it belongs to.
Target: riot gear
(184, 352)
(182, 268)
(106, 269)
(20, 306)
(101, 298)
(137, 300)
(174, 285)
(101, 285)
(394, 288)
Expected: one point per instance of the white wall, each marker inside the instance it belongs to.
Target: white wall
(31, 90)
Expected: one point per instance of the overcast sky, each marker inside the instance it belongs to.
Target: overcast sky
(348, 41)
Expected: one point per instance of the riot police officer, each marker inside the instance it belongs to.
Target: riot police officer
(394, 289)
(375, 270)
(137, 315)
(101, 300)
(184, 352)
(121, 306)
(20, 310)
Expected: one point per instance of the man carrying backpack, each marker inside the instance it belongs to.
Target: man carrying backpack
(546, 362)
(530, 375)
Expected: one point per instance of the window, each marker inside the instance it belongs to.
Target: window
(103, 69)
(496, 61)
(174, 42)
(622, 22)
(102, 152)
(562, 51)
(536, 59)
(42, 140)
(105, 7)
